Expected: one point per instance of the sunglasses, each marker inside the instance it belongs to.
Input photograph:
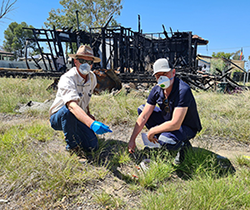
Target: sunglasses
(166, 103)
(85, 61)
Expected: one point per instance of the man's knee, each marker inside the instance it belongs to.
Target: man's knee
(170, 143)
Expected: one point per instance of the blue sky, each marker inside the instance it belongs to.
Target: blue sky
(225, 23)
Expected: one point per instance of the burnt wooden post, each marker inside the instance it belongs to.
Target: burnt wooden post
(127, 49)
(194, 54)
(51, 54)
(35, 32)
(134, 53)
(121, 50)
(138, 50)
(77, 20)
(26, 54)
(190, 48)
(139, 23)
(104, 63)
(115, 50)
(78, 39)
(59, 45)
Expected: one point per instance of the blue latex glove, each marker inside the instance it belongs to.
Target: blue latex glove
(99, 128)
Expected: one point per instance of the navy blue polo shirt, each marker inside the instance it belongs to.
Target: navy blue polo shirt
(180, 96)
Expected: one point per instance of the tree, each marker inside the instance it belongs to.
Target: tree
(217, 64)
(222, 54)
(92, 13)
(6, 7)
(15, 38)
(236, 55)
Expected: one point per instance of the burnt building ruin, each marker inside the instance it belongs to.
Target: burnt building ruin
(131, 54)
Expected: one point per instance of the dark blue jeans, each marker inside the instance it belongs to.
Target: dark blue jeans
(172, 140)
(76, 133)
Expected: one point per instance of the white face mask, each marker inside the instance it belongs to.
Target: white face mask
(84, 68)
(164, 82)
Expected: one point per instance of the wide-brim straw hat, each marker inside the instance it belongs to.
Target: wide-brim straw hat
(85, 51)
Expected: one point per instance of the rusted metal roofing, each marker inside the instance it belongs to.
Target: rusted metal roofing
(200, 40)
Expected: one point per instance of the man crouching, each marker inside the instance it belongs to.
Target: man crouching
(70, 110)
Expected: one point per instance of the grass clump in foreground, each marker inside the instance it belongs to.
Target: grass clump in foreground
(28, 167)
(108, 201)
(205, 184)
(200, 193)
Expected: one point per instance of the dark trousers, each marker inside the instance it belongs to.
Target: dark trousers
(174, 141)
(76, 133)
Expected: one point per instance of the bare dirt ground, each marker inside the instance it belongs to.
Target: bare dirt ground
(220, 145)
(112, 184)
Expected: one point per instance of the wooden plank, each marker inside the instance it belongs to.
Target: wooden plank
(20, 70)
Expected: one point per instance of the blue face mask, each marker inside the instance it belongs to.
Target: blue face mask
(164, 82)
(84, 68)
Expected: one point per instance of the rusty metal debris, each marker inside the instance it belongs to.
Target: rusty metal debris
(107, 80)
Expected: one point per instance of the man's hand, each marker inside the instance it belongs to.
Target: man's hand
(151, 136)
(131, 146)
(99, 128)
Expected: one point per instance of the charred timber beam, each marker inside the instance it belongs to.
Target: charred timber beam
(26, 74)
(195, 53)
(115, 51)
(104, 63)
(190, 48)
(51, 54)
(232, 82)
(121, 50)
(40, 49)
(165, 32)
(26, 54)
(36, 63)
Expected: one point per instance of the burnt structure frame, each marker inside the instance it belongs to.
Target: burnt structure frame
(129, 52)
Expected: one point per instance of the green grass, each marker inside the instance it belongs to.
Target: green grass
(157, 172)
(244, 161)
(35, 172)
(120, 109)
(28, 166)
(108, 201)
(224, 114)
(14, 91)
(201, 193)
(221, 114)
(204, 163)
